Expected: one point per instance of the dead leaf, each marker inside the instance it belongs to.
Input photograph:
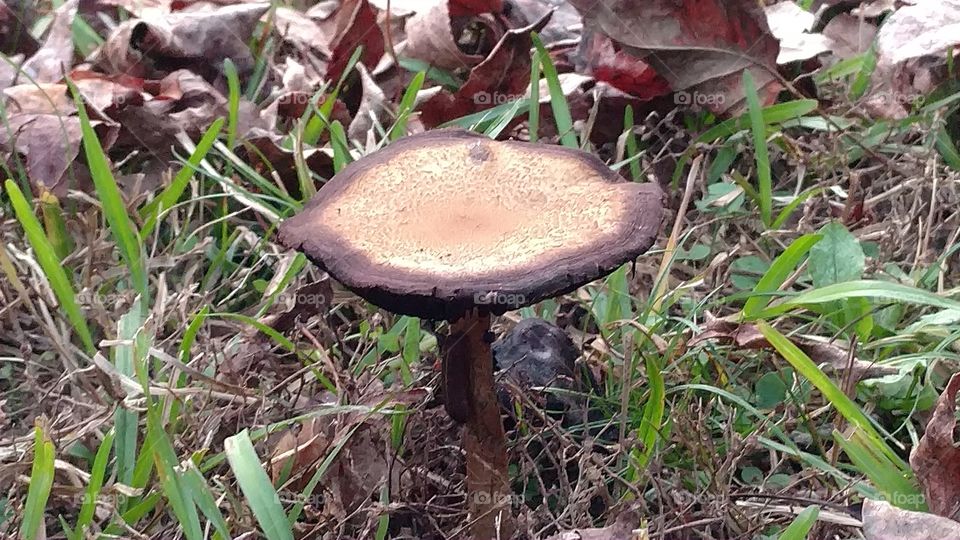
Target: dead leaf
(199, 41)
(45, 144)
(791, 24)
(851, 36)
(180, 102)
(434, 36)
(362, 462)
(8, 71)
(503, 76)
(44, 98)
(924, 29)
(936, 459)
(55, 56)
(15, 24)
(883, 521)
(109, 93)
(700, 48)
(302, 31)
(911, 56)
(356, 26)
(374, 106)
(564, 25)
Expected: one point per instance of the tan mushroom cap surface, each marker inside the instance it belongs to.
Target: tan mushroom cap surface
(451, 217)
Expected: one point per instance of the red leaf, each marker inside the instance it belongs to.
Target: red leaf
(699, 46)
(936, 461)
(356, 23)
(464, 8)
(504, 75)
(623, 71)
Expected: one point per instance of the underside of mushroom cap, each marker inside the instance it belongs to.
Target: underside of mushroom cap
(439, 223)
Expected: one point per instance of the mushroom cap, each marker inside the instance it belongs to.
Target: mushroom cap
(442, 222)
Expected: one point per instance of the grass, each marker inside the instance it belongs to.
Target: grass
(170, 391)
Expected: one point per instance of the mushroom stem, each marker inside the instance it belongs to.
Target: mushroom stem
(484, 441)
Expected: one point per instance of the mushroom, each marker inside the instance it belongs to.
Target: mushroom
(451, 225)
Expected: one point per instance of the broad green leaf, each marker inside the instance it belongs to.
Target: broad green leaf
(837, 258)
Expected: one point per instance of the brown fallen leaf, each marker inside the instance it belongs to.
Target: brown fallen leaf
(55, 56)
(433, 34)
(9, 71)
(851, 36)
(504, 75)
(200, 41)
(374, 107)
(701, 47)
(303, 40)
(564, 25)
(15, 24)
(356, 26)
(936, 459)
(43, 98)
(44, 144)
(883, 521)
(362, 462)
(108, 94)
(180, 102)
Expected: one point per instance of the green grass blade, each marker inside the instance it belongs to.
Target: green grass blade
(341, 148)
(126, 421)
(558, 102)
(947, 149)
(169, 197)
(893, 484)
(801, 525)
(759, 130)
(779, 271)
(831, 392)
(165, 460)
(41, 480)
(50, 264)
(632, 153)
(197, 487)
(533, 116)
(233, 101)
(256, 487)
(871, 289)
(97, 474)
(56, 227)
(653, 411)
(123, 230)
(399, 128)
